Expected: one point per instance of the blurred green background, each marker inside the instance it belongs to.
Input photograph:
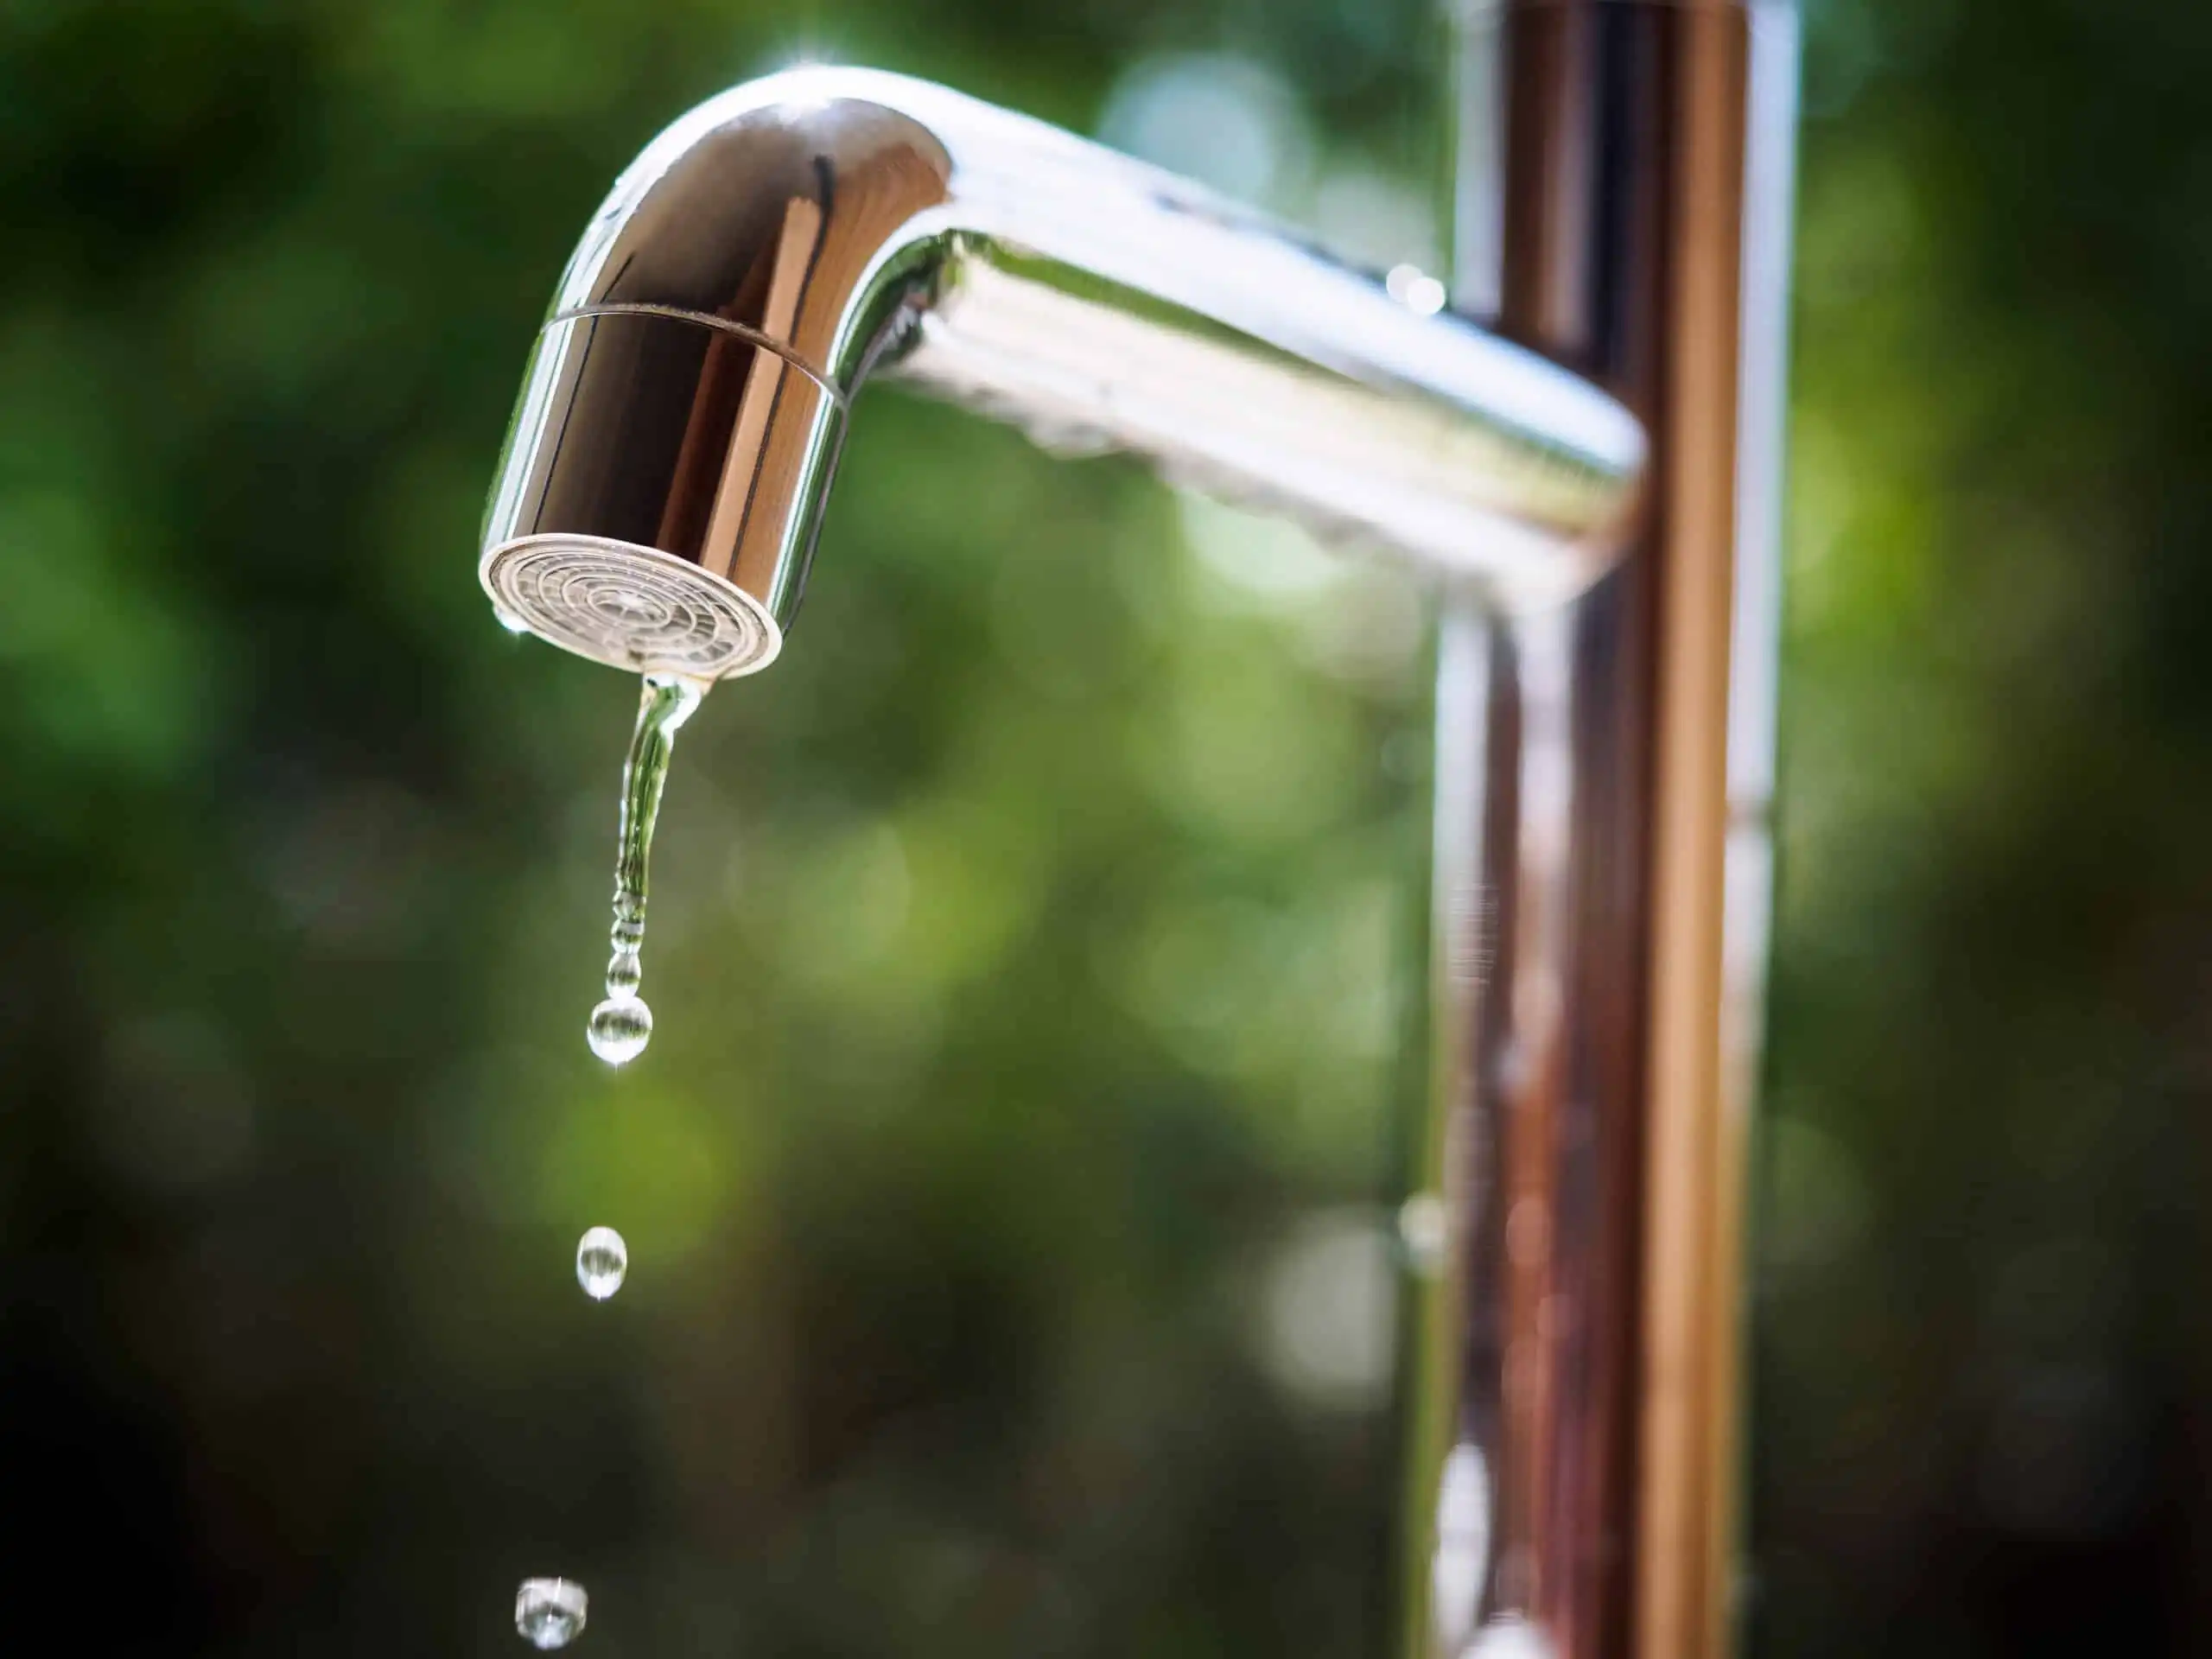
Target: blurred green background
(1037, 964)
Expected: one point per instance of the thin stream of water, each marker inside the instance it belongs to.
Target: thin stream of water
(622, 1025)
(550, 1613)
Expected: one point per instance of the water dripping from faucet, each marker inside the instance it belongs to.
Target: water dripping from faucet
(622, 1025)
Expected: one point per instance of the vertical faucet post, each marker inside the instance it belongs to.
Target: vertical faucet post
(1603, 854)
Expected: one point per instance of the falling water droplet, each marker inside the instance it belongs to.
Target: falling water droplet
(621, 1025)
(549, 1612)
(602, 1259)
(619, 1029)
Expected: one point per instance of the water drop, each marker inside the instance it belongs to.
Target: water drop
(602, 1259)
(621, 1025)
(1415, 290)
(624, 973)
(620, 1028)
(549, 1612)
(508, 620)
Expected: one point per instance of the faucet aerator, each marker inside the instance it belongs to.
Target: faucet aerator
(631, 608)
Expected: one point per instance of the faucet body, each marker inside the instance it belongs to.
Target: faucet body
(671, 454)
(1605, 688)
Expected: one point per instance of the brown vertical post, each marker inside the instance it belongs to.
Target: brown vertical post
(1603, 860)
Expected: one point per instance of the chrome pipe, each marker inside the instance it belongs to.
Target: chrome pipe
(671, 453)
(1605, 711)
(1602, 858)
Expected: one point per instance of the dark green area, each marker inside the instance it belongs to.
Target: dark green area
(1984, 1361)
(1033, 948)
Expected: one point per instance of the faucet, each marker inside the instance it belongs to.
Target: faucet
(786, 241)
(1587, 483)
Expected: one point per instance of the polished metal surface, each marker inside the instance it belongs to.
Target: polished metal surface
(1604, 704)
(1602, 858)
(787, 238)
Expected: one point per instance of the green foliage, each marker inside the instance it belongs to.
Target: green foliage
(1984, 1224)
(1033, 947)
(1034, 950)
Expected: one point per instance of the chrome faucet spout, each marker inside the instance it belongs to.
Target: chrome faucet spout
(680, 420)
